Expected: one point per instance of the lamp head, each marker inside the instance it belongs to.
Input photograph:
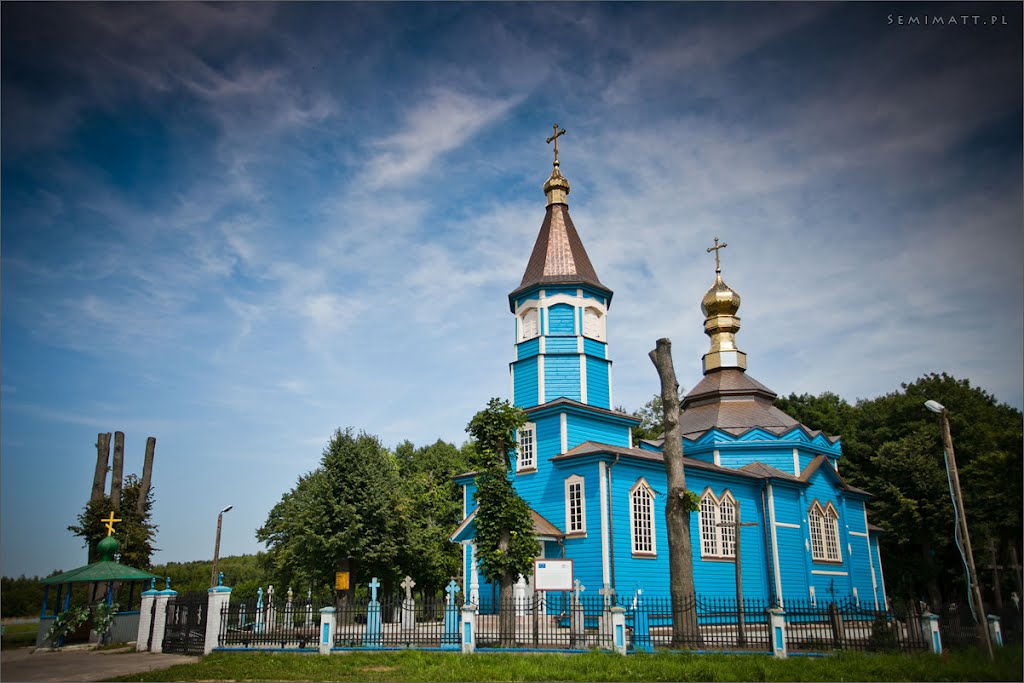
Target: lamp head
(227, 509)
(935, 407)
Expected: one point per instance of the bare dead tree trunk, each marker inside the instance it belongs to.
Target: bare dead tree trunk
(116, 474)
(685, 632)
(99, 479)
(147, 475)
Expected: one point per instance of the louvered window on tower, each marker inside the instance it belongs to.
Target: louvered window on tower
(527, 441)
(529, 325)
(593, 323)
(641, 517)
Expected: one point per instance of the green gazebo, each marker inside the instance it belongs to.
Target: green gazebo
(105, 571)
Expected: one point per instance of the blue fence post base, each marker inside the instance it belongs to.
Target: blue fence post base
(326, 630)
(777, 629)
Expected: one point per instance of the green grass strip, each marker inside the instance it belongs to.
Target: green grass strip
(967, 665)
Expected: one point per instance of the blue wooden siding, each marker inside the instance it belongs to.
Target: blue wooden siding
(530, 347)
(592, 347)
(555, 291)
(597, 382)
(580, 429)
(549, 439)
(794, 559)
(561, 319)
(561, 377)
(526, 382)
(561, 345)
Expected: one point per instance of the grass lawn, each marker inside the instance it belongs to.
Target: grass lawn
(597, 666)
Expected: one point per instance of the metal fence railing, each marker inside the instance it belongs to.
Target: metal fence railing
(845, 625)
(426, 623)
(544, 621)
(259, 624)
(707, 623)
(958, 628)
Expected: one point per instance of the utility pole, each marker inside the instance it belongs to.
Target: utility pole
(741, 623)
(216, 547)
(958, 502)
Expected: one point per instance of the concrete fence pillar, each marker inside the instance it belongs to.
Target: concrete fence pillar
(619, 643)
(930, 632)
(145, 619)
(160, 618)
(327, 627)
(218, 598)
(468, 628)
(777, 629)
(995, 631)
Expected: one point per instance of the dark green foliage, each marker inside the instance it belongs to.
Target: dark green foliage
(595, 666)
(892, 447)
(22, 597)
(349, 507)
(135, 533)
(652, 416)
(505, 541)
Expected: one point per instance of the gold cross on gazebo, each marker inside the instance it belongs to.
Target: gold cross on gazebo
(718, 265)
(110, 523)
(555, 138)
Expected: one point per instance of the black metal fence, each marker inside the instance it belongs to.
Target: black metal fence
(544, 621)
(958, 628)
(845, 625)
(423, 623)
(705, 623)
(185, 627)
(268, 624)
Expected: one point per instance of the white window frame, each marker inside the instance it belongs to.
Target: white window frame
(823, 524)
(529, 324)
(575, 515)
(596, 330)
(642, 533)
(527, 437)
(717, 542)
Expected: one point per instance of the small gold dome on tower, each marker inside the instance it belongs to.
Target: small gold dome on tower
(721, 324)
(720, 299)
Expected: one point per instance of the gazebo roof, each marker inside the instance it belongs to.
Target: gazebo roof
(103, 570)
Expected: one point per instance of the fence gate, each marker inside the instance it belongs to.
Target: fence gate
(185, 632)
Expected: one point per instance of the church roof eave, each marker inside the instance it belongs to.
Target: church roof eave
(561, 403)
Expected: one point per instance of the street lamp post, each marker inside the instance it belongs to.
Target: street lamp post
(216, 547)
(958, 503)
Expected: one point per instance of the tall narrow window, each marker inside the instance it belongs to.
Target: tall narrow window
(824, 526)
(717, 540)
(527, 447)
(641, 517)
(575, 506)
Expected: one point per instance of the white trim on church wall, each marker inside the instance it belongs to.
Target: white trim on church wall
(829, 572)
(630, 437)
(871, 565)
(563, 428)
(474, 576)
(465, 501)
(603, 489)
(718, 457)
(796, 463)
(858, 533)
(512, 383)
(542, 346)
(583, 379)
(881, 577)
(540, 380)
(611, 402)
(579, 344)
(775, 545)
(787, 525)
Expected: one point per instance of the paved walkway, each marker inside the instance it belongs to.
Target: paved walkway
(22, 664)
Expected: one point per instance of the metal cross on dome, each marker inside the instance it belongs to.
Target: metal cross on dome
(718, 265)
(110, 523)
(555, 138)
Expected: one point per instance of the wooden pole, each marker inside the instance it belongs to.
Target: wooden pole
(741, 618)
(116, 474)
(997, 591)
(99, 478)
(147, 475)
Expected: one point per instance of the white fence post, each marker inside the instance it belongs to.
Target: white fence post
(326, 630)
(619, 643)
(160, 618)
(468, 628)
(995, 631)
(930, 631)
(219, 596)
(777, 626)
(145, 618)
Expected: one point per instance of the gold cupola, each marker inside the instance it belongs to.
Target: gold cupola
(721, 323)
(557, 186)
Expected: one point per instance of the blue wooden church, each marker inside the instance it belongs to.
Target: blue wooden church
(597, 495)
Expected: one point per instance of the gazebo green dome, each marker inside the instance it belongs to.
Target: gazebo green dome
(107, 548)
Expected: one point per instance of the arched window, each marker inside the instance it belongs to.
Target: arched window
(593, 323)
(824, 528)
(717, 541)
(641, 518)
(529, 324)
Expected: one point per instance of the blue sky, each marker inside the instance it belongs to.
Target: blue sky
(237, 227)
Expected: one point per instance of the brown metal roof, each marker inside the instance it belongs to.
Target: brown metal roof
(768, 472)
(541, 526)
(558, 255)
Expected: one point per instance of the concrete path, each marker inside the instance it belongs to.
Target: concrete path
(24, 664)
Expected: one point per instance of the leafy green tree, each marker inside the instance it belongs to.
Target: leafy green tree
(652, 419)
(505, 541)
(135, 532)
(349, 507)
(432, 507)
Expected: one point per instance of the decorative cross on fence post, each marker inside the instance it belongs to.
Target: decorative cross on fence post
(372, 635)
(451, 589)
(408, 584)
(374, 585)
(609, 595)
(577, 619)
(450, 639)
(577, 588)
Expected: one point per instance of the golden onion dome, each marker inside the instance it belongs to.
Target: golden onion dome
(720, 299)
